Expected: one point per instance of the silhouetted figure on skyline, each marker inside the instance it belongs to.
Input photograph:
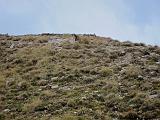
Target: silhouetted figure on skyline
(76, 37)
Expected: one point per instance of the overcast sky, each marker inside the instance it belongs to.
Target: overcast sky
(134, 20)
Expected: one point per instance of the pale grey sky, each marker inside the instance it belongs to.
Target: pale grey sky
(134, 20)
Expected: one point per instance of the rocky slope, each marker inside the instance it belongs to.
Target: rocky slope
(78, 77)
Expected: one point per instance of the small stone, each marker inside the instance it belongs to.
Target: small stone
(42, 82)
(39, 89)
(86, 91)
(54, 78)
(153, 73)
(153, 96)
(22, 96)
(66, 88)
(12, 46)
(123, 52)
(133, 86)
(84, 98)
(95, 91)
(131, 105)
(140, 77)
(9, 83)
(75, 112)
(158, 63)
(115, 118)
(6, 110)
(54, 86)
(22, 85)
(119, 84)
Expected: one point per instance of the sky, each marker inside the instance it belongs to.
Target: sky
(133, 20)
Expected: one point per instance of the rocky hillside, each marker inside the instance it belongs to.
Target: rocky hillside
(78, 77)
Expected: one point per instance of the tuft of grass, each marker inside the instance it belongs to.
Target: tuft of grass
(133, 71)
(2, 81)
(47, 93)
(69, 117)
(105, 71)
(30, 106)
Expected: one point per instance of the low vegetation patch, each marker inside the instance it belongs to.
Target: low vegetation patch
(78, 77)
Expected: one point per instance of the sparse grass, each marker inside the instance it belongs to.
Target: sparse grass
(83, 80)
(66, 36)
(69, 117)
(30, 106)
(2, 81)
(133, 71)
(105, 71)
(47, 93)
